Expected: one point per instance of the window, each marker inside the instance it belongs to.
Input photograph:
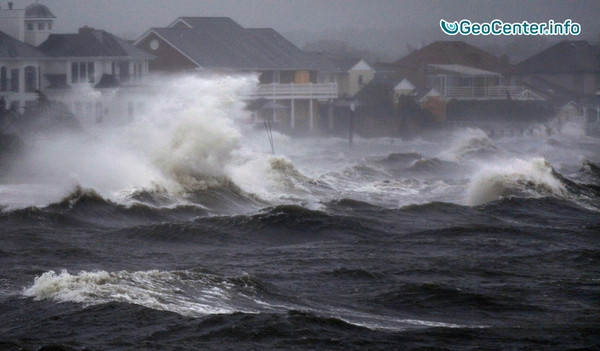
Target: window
(29, 26)
(49, 25)
(3, 79)
(123, 68)
(91, 72)
(14, 80)
(464, 81)
(74, 72)
(137, 71)
(360, 80)
(41, 26)
(82, 72)
(30, 79)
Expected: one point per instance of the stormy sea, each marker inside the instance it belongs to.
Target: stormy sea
(180, 230)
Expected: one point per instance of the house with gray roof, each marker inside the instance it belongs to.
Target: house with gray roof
(287, 74)
(459, 70)
(33, 59)
(571, 64)
(94, 59)
(85, 57)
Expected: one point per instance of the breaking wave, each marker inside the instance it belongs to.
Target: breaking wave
(470, 144)
(190, 293)
(518, 178)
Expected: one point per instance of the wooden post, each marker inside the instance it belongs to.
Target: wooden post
(311, 118)
(292, 115)
(351, 136)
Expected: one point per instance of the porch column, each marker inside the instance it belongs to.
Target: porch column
(330, 115)
(292, 115)
(274, 114)
(445, 85)
(311, 119)
(68, 64)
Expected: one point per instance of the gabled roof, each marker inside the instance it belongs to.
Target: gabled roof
(220, 43)
(464, 70)
(555, 94)
(568, 56)
(421, 94)
(345, 64)
(11, 48)
(90, 43)
(455, 53)
(212, 23)
(404, 84)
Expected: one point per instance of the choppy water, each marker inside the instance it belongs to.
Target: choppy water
(181, 231)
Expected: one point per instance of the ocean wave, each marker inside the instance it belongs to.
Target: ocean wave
(188, 293)
(84, 206)
(428, 295)
(434, 166)
(471, 144)
(520, 178)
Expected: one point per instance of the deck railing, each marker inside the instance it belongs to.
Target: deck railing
(297, 91)
(489, 92)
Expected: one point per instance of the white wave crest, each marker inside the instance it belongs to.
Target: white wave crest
(469, 142)
(182, 292)
(532, 178)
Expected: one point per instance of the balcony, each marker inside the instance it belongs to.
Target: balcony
(495, 92)
(296, 91)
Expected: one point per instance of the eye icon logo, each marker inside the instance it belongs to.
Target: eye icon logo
(450, 28)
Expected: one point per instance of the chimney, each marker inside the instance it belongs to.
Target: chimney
(85, 29)
(10, 5)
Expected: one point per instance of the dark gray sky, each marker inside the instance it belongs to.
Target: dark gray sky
(131, 18)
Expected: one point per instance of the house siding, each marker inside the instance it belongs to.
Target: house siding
(167, 59)
(354, 87)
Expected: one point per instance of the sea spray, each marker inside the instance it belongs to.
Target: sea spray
(183, 139)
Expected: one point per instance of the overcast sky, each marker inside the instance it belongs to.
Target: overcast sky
(131, 18)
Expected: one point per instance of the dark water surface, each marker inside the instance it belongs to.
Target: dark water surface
(208, 242)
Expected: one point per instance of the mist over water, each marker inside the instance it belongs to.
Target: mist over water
(180, 215)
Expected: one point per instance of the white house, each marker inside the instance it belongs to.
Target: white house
(20, 67)
(92, 61)
(350, 75)
(21, 64)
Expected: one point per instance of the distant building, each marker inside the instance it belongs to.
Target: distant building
(20, 66)
(20, 62)
(31, 25)
(64, 63)
(458, 70)
(218, 44)
(573, 65)
(93, 59)
(350, 74)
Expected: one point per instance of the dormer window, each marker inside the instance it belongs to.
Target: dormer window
(41, 26)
